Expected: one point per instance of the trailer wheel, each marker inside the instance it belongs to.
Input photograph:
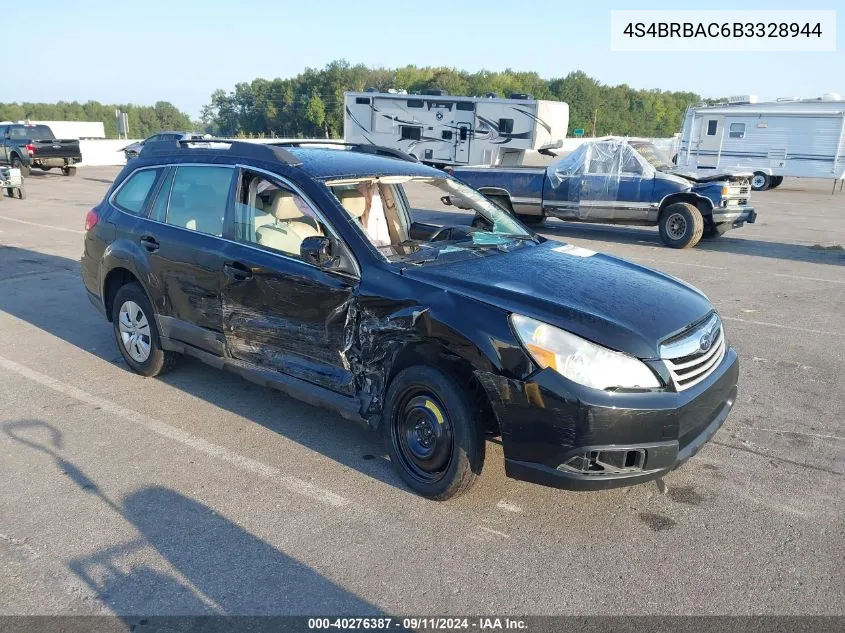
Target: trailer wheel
(760, 181)
(681, 225)
(776, 182)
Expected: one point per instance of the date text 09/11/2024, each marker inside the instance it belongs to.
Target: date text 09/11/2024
(419, 624)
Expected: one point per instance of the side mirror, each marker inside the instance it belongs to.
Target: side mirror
(316, 250)
(447, 200)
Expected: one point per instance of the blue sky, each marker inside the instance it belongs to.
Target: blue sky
(181, 50)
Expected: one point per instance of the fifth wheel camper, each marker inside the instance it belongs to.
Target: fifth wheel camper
(441, 129)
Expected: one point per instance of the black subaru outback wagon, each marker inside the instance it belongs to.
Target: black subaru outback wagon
(350, 280)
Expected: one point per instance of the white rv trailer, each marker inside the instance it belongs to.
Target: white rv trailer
(803, 138)
(441, 129)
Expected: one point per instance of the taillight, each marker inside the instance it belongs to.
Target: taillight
(30, 148)
(91, 219)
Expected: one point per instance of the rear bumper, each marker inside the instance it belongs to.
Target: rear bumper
(548, 421)
(52, 161)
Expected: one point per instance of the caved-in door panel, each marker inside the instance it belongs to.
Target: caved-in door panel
(288, 316)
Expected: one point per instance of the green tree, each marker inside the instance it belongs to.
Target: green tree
(312, 103)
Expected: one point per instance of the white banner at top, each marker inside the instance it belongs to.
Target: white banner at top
(722, 31)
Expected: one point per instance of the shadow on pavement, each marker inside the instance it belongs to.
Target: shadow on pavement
(46, 291)
(210, 565)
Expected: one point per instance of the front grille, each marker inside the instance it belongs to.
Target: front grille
(694, 355)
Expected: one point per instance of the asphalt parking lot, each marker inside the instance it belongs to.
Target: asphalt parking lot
(201, 493)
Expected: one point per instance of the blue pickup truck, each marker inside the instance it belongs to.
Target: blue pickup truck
(620, 181)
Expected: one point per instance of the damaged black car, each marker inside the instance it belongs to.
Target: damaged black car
(345, 276)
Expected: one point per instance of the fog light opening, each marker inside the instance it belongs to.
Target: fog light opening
(606, 462)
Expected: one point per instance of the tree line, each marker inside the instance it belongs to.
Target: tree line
(143, 120)
(311, 104)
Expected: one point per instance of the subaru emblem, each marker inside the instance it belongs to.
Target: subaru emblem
(704, 342)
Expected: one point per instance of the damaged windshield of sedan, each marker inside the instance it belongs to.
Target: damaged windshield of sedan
(421, 219)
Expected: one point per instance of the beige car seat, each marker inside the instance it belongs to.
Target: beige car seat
(290, 227)
(353, 201)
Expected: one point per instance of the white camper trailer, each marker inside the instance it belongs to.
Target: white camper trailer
(440, 129)
(788, 137)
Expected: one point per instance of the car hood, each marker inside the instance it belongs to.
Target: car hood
(608, 300)
(711, 176)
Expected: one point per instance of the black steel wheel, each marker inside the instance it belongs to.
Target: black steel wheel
(433, 441)
(423, 435)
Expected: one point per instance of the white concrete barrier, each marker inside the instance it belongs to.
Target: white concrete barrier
(103, 151)
(109, 151)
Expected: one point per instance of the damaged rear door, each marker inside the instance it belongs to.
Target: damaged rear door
(279, 312)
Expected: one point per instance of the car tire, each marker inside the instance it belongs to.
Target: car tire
(69, 171)
(16, 163)
(431, 434)
(681, 225)
(760, 181)
(132, 314)
(21, 193)
(45, 168)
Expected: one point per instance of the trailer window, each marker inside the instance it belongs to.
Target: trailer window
(737, 130)
(711, 127)
(362, 100)
(415, 103)
(410, 132)
(465, 105)
(505, 126)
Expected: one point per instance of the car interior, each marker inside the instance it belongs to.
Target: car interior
(274, 217)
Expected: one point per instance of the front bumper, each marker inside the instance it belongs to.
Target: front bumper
(547, 421)
(735, 216)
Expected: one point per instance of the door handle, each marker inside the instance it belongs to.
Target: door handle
(237, 271)
(150, 243)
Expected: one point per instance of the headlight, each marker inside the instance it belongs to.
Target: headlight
(580, 360)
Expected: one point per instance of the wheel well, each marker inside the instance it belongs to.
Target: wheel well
(495, 191)
(704, 206)
(460, 369)
(115, 280)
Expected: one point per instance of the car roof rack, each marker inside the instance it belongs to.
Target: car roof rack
(362, 148)
(239, 149)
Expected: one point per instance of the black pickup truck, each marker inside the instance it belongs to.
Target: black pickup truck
(26, 146)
